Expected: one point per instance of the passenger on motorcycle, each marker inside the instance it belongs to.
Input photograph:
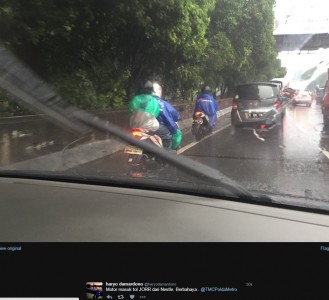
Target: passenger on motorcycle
(144, 109)
(168, 116)
(206, 103)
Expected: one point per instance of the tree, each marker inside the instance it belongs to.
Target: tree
(244, 33)
(95, 52)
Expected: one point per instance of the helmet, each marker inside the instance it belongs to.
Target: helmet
(206, 89)
(157, 89)
(148, 88)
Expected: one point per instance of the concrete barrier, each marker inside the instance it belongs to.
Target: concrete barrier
(83, 152)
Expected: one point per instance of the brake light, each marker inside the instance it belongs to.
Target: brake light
(137, 134)
(262, 126)
(138, 129)
(234, 105)
(198, 114)
(136, 174)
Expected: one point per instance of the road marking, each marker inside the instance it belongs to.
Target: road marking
(258, 136)
(325, 152)
(183, 149)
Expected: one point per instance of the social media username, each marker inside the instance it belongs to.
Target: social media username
(161, 287)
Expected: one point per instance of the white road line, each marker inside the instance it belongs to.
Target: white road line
(183, 149)
(258, 136)
(325, 152)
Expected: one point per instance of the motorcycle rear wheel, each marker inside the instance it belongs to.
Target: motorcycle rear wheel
(198, 135)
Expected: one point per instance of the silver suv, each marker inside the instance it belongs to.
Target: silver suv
(258, 105)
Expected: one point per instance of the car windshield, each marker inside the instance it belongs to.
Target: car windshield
(255, 92)
(106, 92)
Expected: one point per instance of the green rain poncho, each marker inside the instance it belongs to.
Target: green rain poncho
(143, 110)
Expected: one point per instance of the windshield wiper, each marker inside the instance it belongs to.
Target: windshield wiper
(29, 89)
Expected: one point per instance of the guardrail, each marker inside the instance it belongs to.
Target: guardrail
(31, 141)
(118, 117)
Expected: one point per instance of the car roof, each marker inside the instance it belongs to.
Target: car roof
(276, 82)
(258, 83)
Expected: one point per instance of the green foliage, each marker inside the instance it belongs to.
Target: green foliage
(241, 43)
(77, 88)
(94, 52)
(9, 107)
(281, 72)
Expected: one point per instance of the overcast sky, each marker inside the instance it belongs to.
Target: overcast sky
(302, 16)
(297, 17)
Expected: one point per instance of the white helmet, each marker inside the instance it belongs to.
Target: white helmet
(157, 89)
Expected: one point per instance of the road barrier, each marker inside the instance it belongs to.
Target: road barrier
(44, 146)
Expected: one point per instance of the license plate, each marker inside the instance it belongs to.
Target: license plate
(256, 115)
(133, 150)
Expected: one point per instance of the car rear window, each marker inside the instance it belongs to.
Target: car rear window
(255, 92)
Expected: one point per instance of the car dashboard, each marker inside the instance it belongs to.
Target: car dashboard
(52, 211)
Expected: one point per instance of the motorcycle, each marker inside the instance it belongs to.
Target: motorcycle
(200, 125)
(140, 161)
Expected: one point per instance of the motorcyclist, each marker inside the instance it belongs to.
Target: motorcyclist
(167, 117)
(144, 110)
(206, 103)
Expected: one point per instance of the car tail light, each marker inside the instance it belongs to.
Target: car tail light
(234, 105)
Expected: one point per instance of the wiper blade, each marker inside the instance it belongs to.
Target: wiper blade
(193, 167)
(29, 89)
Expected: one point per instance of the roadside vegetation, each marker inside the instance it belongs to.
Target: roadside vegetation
(95, 52)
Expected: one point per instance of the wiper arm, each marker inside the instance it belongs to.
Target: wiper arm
(207, 174)
(27, 88)
(20, 82)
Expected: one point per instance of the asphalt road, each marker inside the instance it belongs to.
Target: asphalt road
(292, 163)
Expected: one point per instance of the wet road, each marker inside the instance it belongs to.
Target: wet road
(292, 161)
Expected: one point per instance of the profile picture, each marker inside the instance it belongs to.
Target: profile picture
(94, 290)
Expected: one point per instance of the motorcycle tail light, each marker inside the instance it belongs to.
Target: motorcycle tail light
(139, 129)
(137, 134)
(136, 174)
(198, 114)
(234, 105)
